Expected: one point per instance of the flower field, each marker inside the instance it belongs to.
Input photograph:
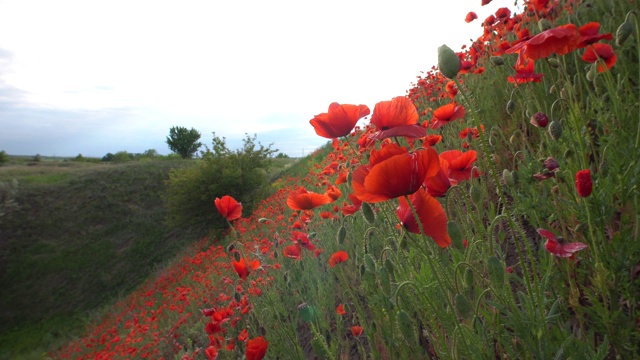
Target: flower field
(491, 212)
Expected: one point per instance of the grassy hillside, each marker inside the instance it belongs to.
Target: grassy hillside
(81, 235)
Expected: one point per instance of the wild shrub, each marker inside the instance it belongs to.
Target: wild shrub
(4, 157)
(241, 173)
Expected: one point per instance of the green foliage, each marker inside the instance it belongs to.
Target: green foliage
(4, 157)
(183, 141)
(222, 171)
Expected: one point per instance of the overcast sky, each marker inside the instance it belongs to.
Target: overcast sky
(94, 77)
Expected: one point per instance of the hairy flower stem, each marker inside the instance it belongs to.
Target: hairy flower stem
(515, 229)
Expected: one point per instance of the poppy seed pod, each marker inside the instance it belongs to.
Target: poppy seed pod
(448, 62)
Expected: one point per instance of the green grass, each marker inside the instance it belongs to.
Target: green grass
(81, 235)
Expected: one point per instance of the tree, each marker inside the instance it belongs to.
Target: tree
(183, 142)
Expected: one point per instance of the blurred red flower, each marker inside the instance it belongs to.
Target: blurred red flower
(439, 184)
(293, 251)
(470, 17)
(446, 114)
(356, 330)
(560, 40)
(228, 207)
(340, 310)
(397, 117)
(393, 171)
(256, 348)
(431, 214)
(338, 257)
(590, 33)
(558, 248)
(600, 51)
(460, 164)
(302, 199)
(525, 71)
(584, 184)
(243, 269)
(339, 121)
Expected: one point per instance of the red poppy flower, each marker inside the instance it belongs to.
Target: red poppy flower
(600, 51)
(228, 207)
(460, 164)
(340, 310)
(557, 248)
(356, 330)
(334, 193)
(439, 184)
(431, 214)
(293, 251)
(392, 172)
(503, 13)
(470, 17)
(211, 353)
(584, 185)
(302, 199)
(339, 121)
(485, 2)
(432, 139)
(244, 269)
(560, 40)
(590, 33)
(256, 348)
(397, 117)
(352, 209)
(446, 114)
(338, 257)
(525, 71)
(539, 5)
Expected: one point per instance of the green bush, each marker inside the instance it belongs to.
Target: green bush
(4, 157)
(241, 174)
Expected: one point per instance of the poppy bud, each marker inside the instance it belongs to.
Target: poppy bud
(544, 25)
(342, 233)
(591, 74)
(448, 62)
(369, 263)
(496, 60)
(584, 184)
(539, 119)
(455, 234)
(263, 220)
(507, 177)
(624, 30)
(462, 305)
(496, 271)
(406, 326)
(367, 211)
(555, 129)
(511, 107)
(476, 196)
(553, 63)
(468, 278)
(385, 281)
